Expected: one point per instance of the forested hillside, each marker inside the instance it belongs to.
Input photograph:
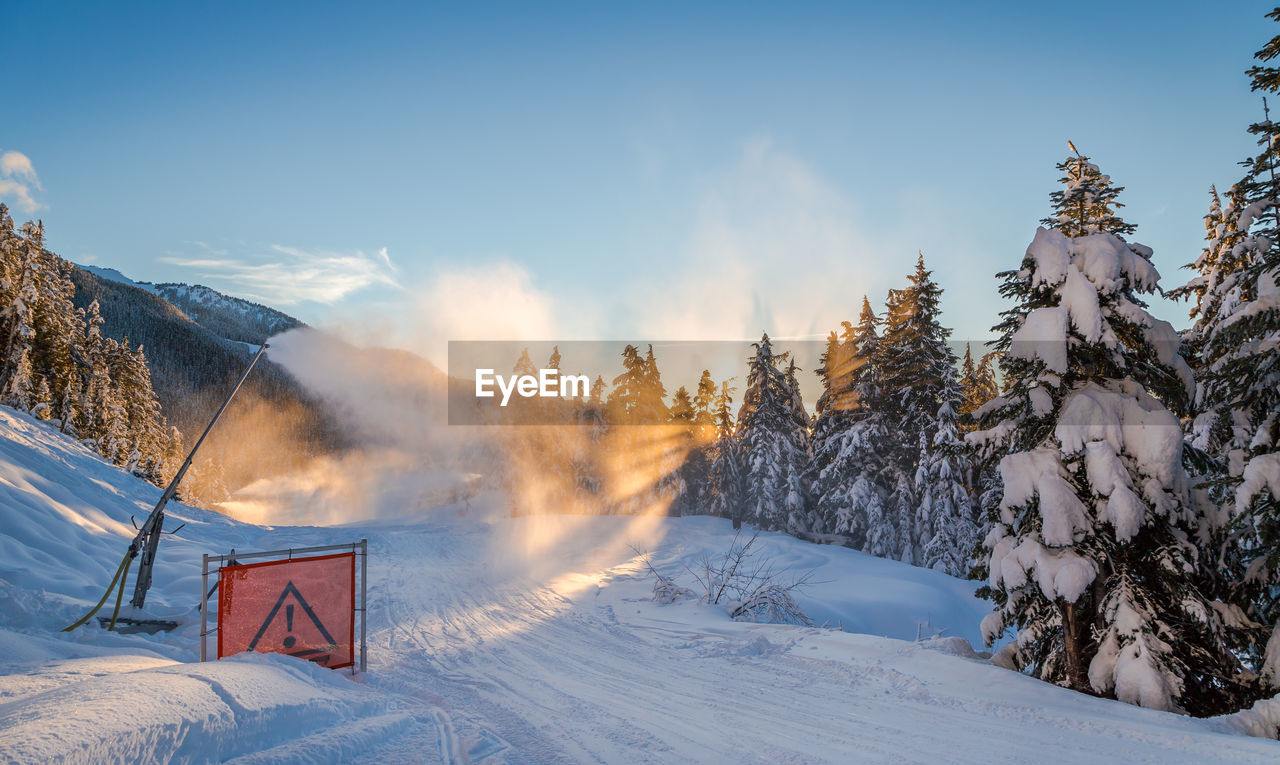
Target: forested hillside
(275, 426)
(56, 363)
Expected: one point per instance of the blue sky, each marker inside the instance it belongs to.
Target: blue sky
(419, 172)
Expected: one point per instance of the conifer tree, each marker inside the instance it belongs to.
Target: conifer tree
(1214, 294)
(112, 434)
(946, 514)
(917, 371)
(988, 377)
(1261, 77)
(174, 454)
(833, 416)
(681, 407)
(42, 409)
(143, 422)
(55, 363)
(653, 408)
(638, 399)
(524, 364)
(725, 479)
(638, 393)
(20, 391)
(977, 385)
(774, 442)
(800, 518)
(17, 374)
(846, 483)
(204, 484)
(704, 398)
(97, 382)
(1091, 557)
(795, 401)
(704, 401)
(8, 245)
(56, 351)
(968, 379)
(1236, 337)
(1212, 291)
(892, 534)
(1087, 203)
(692, 471)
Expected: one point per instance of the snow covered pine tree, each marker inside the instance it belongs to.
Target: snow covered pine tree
(725, 478)
(56, 363)
(848, 495)
(1236, 343)
(946, 512)
(918, 399)
(833, 416)
(775, 443)
(1093, 555)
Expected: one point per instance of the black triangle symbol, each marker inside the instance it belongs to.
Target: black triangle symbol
(306, 608)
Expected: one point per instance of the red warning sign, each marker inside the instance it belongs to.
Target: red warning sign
(303, 607)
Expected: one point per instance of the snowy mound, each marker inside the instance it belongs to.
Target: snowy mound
(67, 518)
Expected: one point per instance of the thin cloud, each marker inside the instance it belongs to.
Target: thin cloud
(18, 181)
(763, 230)
(210, 248)
(290, 275)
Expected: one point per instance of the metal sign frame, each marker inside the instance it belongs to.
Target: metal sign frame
(360, 549)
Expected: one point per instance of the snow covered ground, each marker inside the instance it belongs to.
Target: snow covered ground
(495, 639)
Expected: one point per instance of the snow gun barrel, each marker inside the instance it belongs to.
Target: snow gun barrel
(147, 541)
(150, 531)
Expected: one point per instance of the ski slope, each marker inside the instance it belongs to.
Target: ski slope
(513, 640)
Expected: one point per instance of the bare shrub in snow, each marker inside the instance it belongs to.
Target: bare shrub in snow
(771, 604)
(665, 589)
(749, 586)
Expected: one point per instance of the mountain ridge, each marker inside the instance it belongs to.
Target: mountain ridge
(275, 425)
(227, 316)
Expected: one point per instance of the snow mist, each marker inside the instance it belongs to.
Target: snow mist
(407, 465)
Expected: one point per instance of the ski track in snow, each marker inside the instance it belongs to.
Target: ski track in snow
(517, 640)
(604, 675)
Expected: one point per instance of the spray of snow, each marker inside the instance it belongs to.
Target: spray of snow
(760, 234)
(404, 461)
(390, 404)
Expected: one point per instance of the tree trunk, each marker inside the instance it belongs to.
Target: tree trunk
(1074, 641)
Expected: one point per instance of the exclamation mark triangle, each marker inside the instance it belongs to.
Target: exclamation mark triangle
(290, 641)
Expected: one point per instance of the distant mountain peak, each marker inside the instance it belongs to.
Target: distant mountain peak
(226, 316)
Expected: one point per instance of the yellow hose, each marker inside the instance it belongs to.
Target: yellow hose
(124, 564)
(120, 594)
